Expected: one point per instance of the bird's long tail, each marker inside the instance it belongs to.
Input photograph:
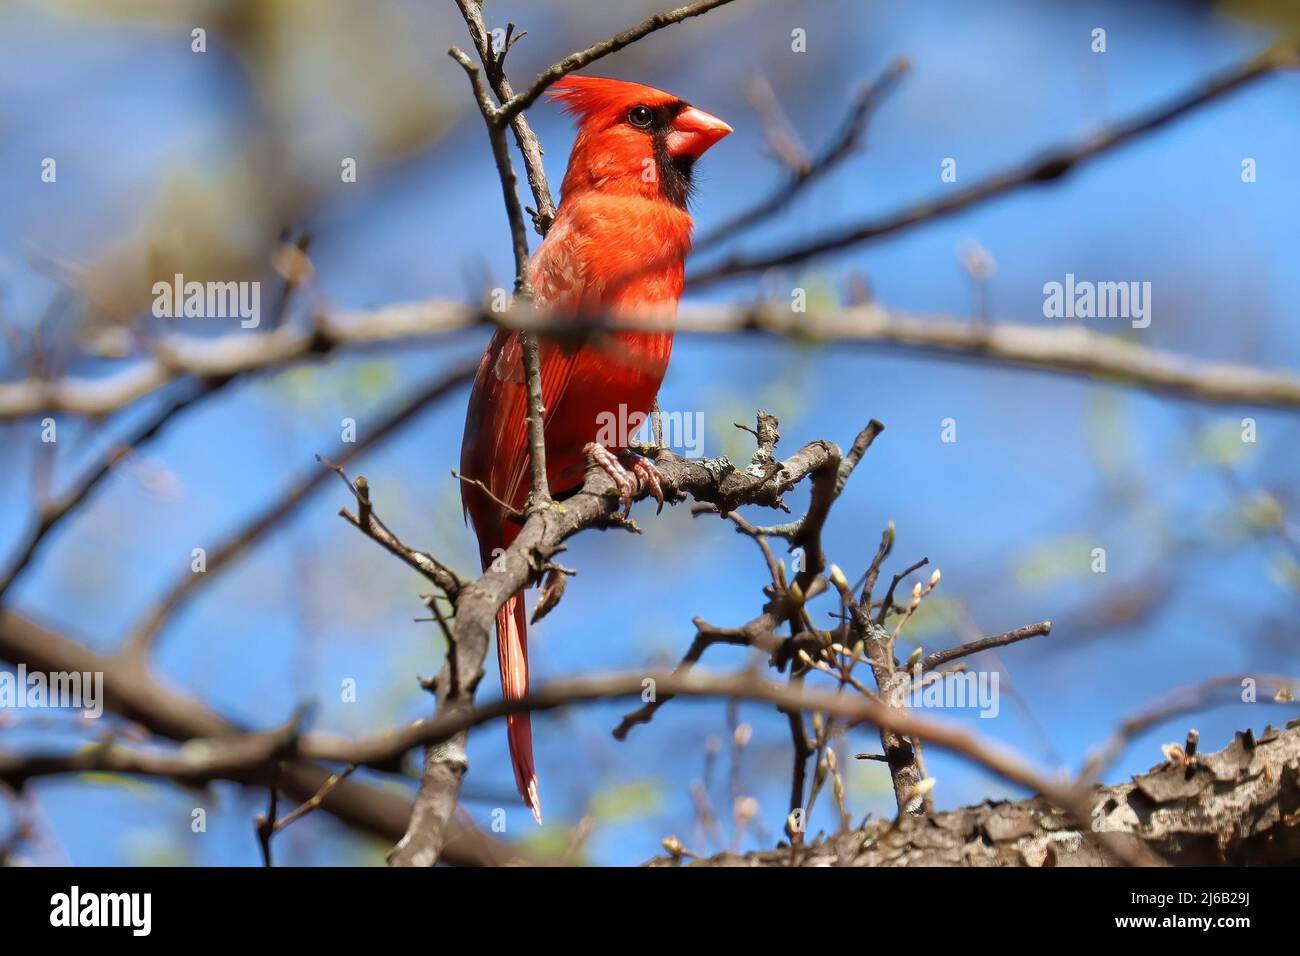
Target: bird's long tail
(512, 653)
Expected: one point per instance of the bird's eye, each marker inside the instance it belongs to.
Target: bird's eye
(640, 116)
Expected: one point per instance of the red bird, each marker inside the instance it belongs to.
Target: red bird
(617, 247)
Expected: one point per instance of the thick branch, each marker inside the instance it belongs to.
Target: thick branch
(1232, 808)
(132, 692)
(244, 758)
(1184, 701)
(1070, 350)
(383, 749)
(540, 538)
(791, 699)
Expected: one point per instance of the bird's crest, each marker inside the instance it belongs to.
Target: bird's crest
(587, 96)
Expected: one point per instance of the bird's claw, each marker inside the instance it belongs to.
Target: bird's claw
(642, 473)
(610, 464)
(644, 469)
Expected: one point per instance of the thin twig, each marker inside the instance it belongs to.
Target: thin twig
(525, 138)
(373, 527)
(839, 148)
(50, 514)
(888, 602)
(940, 658)
(576, 61)
(240, 541)
(1050, 167)
(510, 510)
(265, 823)
(315, 801)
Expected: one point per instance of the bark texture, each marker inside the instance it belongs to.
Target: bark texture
(1237, 807)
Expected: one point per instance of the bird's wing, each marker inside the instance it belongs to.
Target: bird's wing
(496, 446)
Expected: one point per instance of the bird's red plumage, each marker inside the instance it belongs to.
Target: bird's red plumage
(616, 249)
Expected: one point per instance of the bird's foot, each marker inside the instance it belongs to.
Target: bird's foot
(623, 480)
(627, 472)
(644, 469)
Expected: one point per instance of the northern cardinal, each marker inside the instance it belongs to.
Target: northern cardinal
(617, 248)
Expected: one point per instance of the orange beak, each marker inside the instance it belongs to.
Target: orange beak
(693, 132)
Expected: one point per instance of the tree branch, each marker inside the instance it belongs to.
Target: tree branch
(525, 138)
(759, 633)
(1071, 350)
(1049, 167)
(535, 409)
(1232, 808)
(1067, 350)
(241, 540)
(540, 539)
(838, 149)
(243, 758)
(370, 524)
(576, 61)
(1185, 701)
(854, 710)
(974, 647)
(49, 515)
(132, 692)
